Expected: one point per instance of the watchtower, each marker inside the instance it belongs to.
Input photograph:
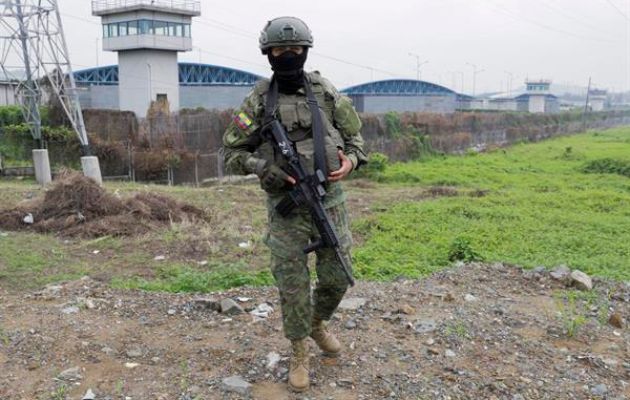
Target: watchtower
(538, 92)
(147, 35)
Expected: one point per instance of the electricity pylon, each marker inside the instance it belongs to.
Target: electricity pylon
(35, 53)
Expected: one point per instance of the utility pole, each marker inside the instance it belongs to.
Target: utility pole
(509, 84)
(475, 73)
(418, 64)
(588, 92)
(31, 31)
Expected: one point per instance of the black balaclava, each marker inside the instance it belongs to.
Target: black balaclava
(288, 70)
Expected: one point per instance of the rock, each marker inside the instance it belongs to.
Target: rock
(245, 245)
(425, 326)
(134, 352)
(430, 342)
(171, 311)
(599, 390)
(208, 303)
(131, 365)
(263, 310)
(70, 310)
(581, 281)
(539, 270)
(108, 350)
(470, 298)
(159, 258)
(89, 395)
(273, 359)
(230, 307)
(406, 309)
(50, 291)
(449, 353)
(28, 219)
(352, 303)
(350, 324)
(71, 374)
(616, 320)
(236, 384)
(561, 273)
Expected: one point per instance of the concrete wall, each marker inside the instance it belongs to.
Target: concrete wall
(143, 74)
(212, 97)
(102, 97)
(536, 104)
(428, 103)
(7, 94)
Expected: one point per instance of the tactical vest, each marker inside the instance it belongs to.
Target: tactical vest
(295, 114)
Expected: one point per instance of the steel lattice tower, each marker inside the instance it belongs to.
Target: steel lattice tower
(34, 53)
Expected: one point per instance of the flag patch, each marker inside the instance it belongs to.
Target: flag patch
(243, 121)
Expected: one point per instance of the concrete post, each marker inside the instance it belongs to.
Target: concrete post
(92, 169)
(42, 166)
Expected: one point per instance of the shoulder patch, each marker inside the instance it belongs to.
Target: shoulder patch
(242, 120)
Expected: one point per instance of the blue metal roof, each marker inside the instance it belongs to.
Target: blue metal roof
(397, 87)
(190, 74)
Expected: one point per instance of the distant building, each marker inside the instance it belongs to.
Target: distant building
(402, 95)
(537, 98)
(147, 35)
(597, 99)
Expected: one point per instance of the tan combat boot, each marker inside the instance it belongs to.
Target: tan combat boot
(298, 366)
(326, 341)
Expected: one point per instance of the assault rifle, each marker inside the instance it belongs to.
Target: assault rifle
(308, 190)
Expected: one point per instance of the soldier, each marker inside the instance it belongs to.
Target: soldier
(286, 41)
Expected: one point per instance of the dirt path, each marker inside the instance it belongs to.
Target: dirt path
(474, 332)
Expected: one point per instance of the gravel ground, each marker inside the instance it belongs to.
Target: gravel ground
(476, 331)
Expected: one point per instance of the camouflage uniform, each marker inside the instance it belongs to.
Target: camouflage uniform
(287, 237)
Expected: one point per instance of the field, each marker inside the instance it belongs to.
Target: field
(530, 205)
(481, 329)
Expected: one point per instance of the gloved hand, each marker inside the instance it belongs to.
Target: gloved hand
(273, 177)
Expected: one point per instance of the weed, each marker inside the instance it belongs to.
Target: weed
(59, 393)
(458, 329)
(461, 250)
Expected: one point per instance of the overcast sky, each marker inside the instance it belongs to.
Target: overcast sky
(563, 40)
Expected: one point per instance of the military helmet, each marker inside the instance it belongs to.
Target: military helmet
(285, 31)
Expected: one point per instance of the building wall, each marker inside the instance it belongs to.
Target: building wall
(430, 103)
(536, 104)
(7, 94)
(212, 97)
(101, 97)
(597, 104)
(143, 74)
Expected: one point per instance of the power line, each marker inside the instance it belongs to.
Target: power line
(560, 11)
(509, 13)
(613, 5)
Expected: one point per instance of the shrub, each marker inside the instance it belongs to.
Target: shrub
(607, 166)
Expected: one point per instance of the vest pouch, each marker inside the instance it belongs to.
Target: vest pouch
(306, 150)
(288, 116)
(305, 117)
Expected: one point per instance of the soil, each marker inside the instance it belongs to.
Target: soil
(77, 206)
(476, 331)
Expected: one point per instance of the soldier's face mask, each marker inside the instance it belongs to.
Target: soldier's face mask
(288, 70)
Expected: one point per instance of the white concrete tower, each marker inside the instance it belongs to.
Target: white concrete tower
(597, 99)
(538, 92)
(147, 34)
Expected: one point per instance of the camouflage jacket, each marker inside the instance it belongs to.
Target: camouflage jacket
(243, 143)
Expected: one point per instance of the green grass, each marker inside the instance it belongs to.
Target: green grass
(541, 209)
(178, 277)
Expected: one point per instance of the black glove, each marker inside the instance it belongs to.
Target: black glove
(273, 178)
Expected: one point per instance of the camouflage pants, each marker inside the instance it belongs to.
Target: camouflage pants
(286, 239)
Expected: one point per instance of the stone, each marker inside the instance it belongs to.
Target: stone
(449, 353)
(236, 384)
(28, 219)
(616, 320)
(108, 350)
(470, 298)
(89, 395)
(134, 352)
(70, 310)
(71, 374)
(350, 324)
(352, 303)
(581, 281)
(171, 311)
(561, 273)
(159, 258)
(131, 365)
(230, 307)
(539, 270)
(207, 303)
(430, 342)
(406, 309)
(273, 359)
(425, 326)
(599, 390)
(263, 310)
